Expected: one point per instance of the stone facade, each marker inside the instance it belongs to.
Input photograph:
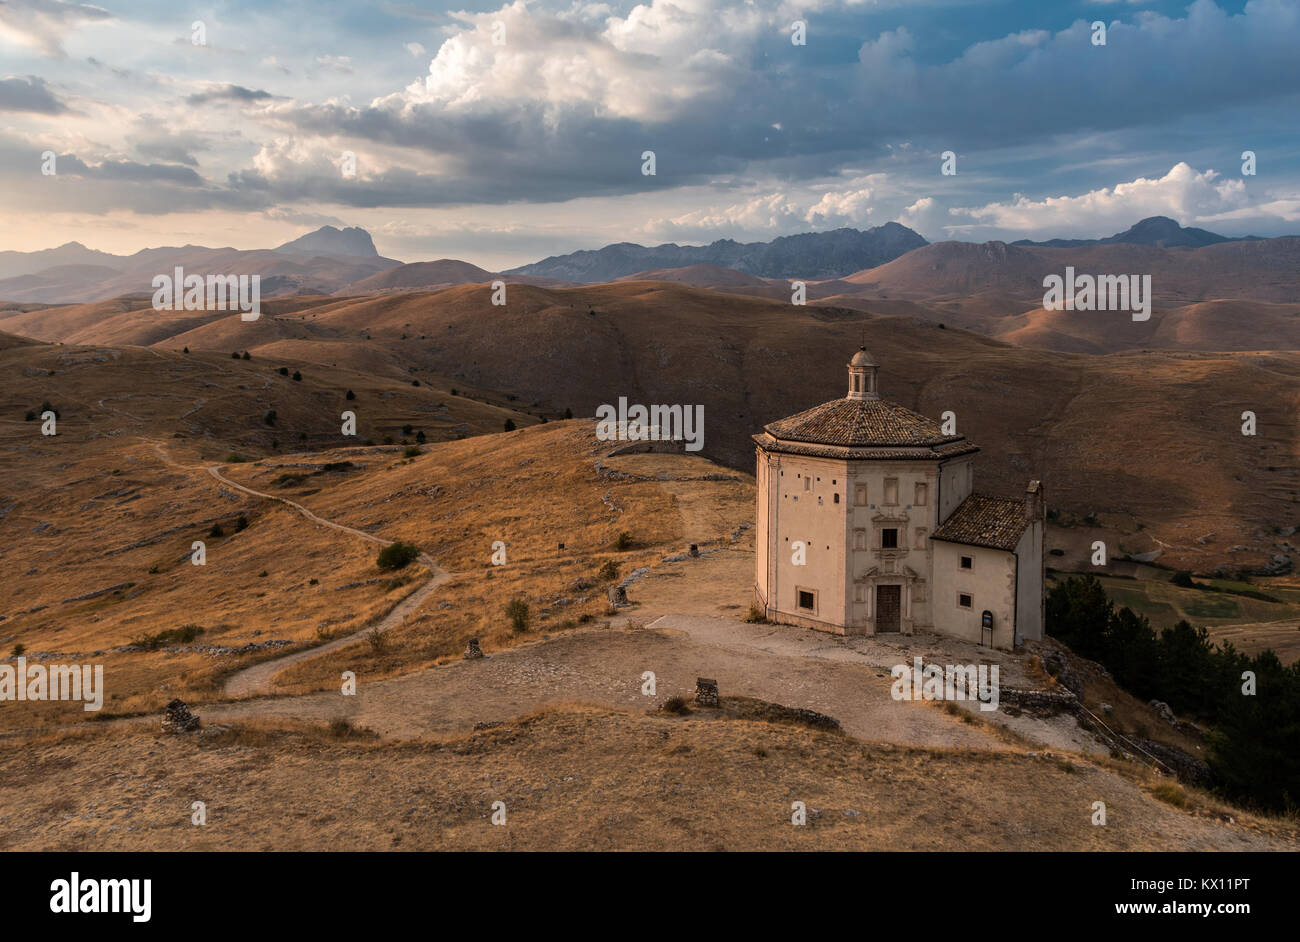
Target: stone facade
(867, 523)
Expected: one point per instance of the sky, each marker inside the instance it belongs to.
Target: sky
(505, 133)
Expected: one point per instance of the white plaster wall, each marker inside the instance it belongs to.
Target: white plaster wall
(991, 582)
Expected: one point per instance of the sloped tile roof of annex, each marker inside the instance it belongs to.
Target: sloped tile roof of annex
(979, 520)
(862, 428)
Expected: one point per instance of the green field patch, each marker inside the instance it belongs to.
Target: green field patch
(1212, 608)
(1137, 599)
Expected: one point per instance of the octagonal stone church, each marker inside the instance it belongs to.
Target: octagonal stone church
(868, 523)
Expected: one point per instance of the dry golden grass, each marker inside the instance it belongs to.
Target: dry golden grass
(578, 777)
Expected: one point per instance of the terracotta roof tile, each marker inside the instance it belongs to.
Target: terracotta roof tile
(995, 522)
(860, 422)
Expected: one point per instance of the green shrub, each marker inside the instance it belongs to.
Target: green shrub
(412, 452)
(216, 532)
(517, 612)
(397, 555)
(182, 635)
(609, 570)
(624, 541)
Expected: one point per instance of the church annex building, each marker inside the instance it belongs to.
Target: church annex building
(893, 537)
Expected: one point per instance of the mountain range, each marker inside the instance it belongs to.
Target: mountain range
(844, 261)
(810, 255)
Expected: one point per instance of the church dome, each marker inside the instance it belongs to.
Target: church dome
(863, 358)
(862, 425)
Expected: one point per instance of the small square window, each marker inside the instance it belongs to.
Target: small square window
(964, 600)
(860, 495)
(967, 563)
(807, 600)
(889, 538)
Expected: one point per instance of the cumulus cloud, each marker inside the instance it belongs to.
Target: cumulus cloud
(43, 24)
(1183, 194)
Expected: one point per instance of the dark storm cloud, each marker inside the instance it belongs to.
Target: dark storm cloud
(229, 93)
(29, 93)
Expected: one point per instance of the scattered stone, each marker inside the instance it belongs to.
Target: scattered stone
(618, 596)
(1164, 712)
(492, 725)
(1107, 709)
(706, 691)
(177, 718)
(473, 651)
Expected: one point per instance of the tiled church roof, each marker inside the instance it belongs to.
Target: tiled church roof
(994, 522)
(860, 423)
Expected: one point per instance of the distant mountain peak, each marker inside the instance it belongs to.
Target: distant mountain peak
(328, 240)
(1157, 231)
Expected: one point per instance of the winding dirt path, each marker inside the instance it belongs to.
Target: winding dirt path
(256, 680)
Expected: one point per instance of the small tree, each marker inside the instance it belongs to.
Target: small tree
(407, 429)
(510, 425)
(624, 541)
(1183, 578)
(246, 356)
(185, 350)
(568, 413)
(297, 377)
(351, 395)
(517, 612)
(419, 436)
(284, 371)
(397, 555)
(270, 417)
(216, 532)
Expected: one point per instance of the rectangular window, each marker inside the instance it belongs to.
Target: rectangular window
(807, 484)
(860, 539)
(889, 538)
(967, 563)
(891, 490)
(922, 492)
(860, 495)
(807, 600)
(964, 600)
(920, 538)
(860, 593)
